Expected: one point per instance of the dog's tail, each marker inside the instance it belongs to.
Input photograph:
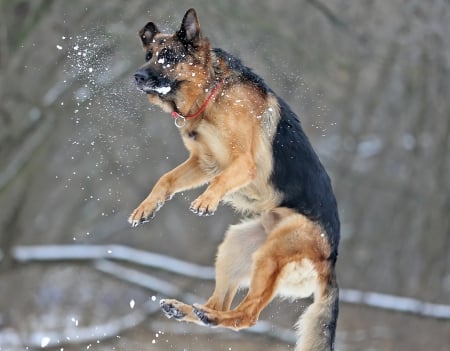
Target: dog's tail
(317, 325)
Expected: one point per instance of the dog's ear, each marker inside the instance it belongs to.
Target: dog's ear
(147, 33)
(189, 32)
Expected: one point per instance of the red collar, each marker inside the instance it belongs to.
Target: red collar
(180, 120)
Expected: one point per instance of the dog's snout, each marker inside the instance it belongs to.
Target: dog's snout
(141, 76)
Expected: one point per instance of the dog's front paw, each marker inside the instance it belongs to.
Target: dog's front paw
(204, 205)
(144, 212)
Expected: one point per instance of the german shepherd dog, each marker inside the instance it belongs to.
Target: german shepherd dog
(248, 146)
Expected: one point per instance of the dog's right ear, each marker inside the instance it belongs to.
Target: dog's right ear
(147, 33)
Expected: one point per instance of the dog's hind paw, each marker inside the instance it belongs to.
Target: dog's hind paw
(203, 317)
(175, 309)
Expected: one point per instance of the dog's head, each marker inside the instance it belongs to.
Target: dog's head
(177, 66)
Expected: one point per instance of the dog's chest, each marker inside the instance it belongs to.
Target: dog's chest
(191, 135)
(206, 142)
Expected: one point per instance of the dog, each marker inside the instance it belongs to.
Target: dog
(248, 146)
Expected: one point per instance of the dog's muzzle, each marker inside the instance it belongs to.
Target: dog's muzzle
(152, 83)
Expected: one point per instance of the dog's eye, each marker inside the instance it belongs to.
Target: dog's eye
(168, 56)
(148, 56)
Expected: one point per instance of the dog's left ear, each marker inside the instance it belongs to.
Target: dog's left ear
(147, 34)
(189, 32)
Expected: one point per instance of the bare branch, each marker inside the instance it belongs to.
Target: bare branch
(327, 13)
(114, 252)
(395, 303)
(143, 280)
(26, 152)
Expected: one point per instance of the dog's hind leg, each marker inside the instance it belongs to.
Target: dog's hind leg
(282, 261)
(235, 256)
(233, 267)
(261, 291)
(234, 261)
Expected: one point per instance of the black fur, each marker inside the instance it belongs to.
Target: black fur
(299, 175)
(245, 74)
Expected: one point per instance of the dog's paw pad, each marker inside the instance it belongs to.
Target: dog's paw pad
(203, 317)
(170, 310)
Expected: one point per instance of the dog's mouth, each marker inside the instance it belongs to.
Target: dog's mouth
(161, 90)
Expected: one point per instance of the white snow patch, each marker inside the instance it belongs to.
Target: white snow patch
(162, 90)
(45, 341)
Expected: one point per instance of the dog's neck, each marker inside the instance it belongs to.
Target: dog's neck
(194, 107)
(180, 120)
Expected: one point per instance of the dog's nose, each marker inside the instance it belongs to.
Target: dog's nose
(141, 76)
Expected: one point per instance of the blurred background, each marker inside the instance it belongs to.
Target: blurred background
(80, 147)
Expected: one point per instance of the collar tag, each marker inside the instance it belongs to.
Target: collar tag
(180, 121)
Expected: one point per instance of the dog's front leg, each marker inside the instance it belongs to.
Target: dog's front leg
(186, 176)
